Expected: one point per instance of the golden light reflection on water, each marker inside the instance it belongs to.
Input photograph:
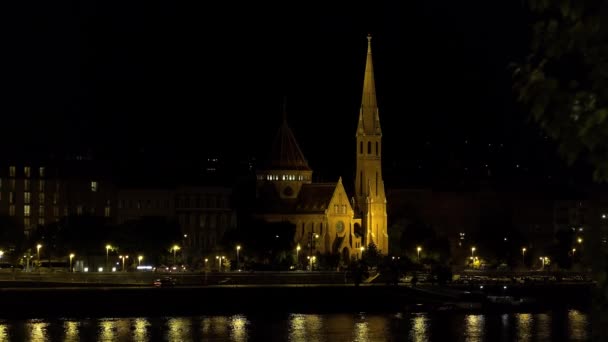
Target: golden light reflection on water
(524, 323)
(474, 328)
(543, 327)
(238, 328)
(4, 335)
(37, 330)
(297, 329)
(180, 329)
(420, 326)
(577, 325)
(362, 331)
(140, 329)
(303, 328)
(107, 330)
(71, 329)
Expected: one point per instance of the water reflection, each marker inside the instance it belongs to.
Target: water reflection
(422, 327)
(474, 328)
(524, 327)
(179, 329)
(577, 325)
(107, 330)
(419, 332)
(71, 331)
(37, 330)
(361, 331)
(238, 328)
(4, 336)
(543, 327)
(140, 330)
(304, 327)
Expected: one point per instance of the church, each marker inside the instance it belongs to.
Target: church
(327, 219)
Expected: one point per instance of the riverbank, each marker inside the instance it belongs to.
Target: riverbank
(197, 300)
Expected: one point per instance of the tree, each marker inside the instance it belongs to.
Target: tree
(564, 79)
(564, 84)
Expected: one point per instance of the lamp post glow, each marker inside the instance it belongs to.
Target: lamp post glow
(123, 261)
(139, 259)
(579, 240)
(71, 257)
(38, 246)
(473, 252)
(573, 250)
(298, 256)
(418, 249)
(175, 248)
(1, 254)
(523, 255)
(238, 248)
(361, 249)
(108, 247)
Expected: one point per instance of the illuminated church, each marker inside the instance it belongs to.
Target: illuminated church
(327, 219)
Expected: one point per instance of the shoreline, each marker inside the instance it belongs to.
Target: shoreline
(237, 299)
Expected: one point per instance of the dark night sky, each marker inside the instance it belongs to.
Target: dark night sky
(180, 81)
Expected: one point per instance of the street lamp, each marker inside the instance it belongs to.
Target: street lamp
(573, 250)
(71, 257)
(139, 258)
(580, 240)
(238, 248)
(523, 255)
(361, 249)
(418, 249)
(108, 247)
(175, 248)
(1, 254)
(473, 252)
(123, 261)
(38, 246)
(298, 256)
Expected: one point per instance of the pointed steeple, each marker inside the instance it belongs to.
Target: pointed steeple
(369, 121)
(286, 154)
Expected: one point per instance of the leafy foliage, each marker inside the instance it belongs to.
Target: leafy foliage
(564, 80)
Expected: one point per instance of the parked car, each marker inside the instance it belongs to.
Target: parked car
(165, 282)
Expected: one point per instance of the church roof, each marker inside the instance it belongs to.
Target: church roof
(286, 154)
(315, 197)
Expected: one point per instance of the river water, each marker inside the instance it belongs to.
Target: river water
(563, 325)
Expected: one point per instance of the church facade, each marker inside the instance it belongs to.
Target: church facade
(327, 219)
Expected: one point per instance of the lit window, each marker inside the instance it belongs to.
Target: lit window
(94, 186)
(41, 221)
(27, 197)
(41, 185)
(12, 171)
(41, 171)
(106, 212)
(79, 210)
(11, 197)
(41, 210)
(11, 210)
(27, 171)
(26, 210)
(26, 222)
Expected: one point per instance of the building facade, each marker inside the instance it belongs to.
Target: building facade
(327, 219)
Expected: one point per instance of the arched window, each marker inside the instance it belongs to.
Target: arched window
(369, 147)
(361, 147)
(377, 148)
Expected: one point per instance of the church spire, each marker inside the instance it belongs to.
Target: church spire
(369, 121)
